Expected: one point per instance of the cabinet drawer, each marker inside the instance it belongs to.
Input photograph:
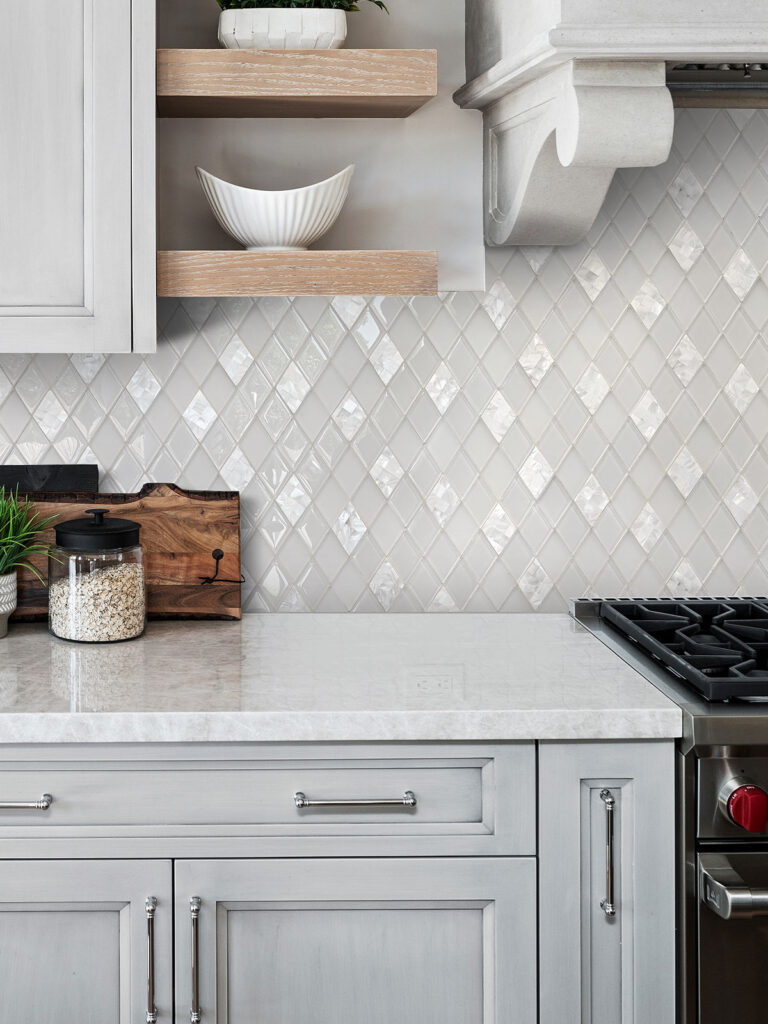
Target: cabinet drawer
(463, 793)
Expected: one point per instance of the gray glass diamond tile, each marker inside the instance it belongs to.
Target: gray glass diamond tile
(237, 471)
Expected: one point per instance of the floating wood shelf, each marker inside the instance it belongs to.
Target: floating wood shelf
(197, 274)
(294, 83)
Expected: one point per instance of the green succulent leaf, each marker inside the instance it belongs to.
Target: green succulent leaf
(321, 5)
(20, 528)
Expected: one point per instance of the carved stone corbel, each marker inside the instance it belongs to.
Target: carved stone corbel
(552, 146)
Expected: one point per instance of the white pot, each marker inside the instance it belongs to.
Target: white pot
(7, 600)
(282, 28)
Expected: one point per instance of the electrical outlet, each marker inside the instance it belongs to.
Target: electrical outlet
(436, 680)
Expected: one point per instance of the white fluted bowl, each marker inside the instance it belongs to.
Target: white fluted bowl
(291, 219)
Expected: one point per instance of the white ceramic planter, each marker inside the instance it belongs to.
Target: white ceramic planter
(282, 28)
(7, 600)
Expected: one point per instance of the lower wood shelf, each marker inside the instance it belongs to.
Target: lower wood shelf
(197, 274)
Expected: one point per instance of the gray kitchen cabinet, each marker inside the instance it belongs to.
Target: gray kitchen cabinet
(606, 843)
(449, 911)
(77, 233)
(376, 940)
(75, 941)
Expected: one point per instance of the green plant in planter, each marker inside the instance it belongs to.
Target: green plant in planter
(323, 5)
(20, 528)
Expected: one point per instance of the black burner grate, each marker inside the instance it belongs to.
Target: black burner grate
(718, 646)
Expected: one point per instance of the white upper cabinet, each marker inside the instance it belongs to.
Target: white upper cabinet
(76, 171)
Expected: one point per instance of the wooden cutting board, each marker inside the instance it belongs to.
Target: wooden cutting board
(180, 530)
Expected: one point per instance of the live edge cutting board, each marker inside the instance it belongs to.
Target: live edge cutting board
(180, 530)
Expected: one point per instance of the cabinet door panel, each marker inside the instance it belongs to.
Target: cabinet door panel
(349, 965)
(74, 941)
(381, 941)
(65, 176)
(49, 960)
(42, 164)
(596, 968)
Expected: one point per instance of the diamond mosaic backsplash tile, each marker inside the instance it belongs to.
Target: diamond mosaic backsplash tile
(595, 423)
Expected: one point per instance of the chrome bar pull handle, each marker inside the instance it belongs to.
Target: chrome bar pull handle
(408, 799)
(43, 804)
(151, 907)
(608, 904)
(194, 910)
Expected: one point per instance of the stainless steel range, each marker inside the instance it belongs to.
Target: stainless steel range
(711, 658)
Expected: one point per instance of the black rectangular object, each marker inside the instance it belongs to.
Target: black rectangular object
(37, 479)
(719, 646)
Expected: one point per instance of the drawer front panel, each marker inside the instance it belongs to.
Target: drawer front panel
(244, 796)
(489, 794)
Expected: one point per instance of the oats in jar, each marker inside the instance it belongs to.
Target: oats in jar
(100, 606)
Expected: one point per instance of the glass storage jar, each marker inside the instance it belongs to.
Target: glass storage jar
(96, 580)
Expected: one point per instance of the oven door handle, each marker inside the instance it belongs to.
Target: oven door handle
(722, 889)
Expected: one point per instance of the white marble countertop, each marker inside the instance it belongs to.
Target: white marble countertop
(283, 678)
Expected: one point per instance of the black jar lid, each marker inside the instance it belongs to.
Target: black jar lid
(97, 534)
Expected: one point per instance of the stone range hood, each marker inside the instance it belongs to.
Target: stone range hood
(572, 90)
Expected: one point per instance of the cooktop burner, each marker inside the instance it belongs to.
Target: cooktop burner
(719, 646)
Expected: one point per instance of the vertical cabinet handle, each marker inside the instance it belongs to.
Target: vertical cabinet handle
(151, 907)
(608, 904)
(194, 910)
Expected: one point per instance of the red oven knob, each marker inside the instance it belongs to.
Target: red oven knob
(748, 807)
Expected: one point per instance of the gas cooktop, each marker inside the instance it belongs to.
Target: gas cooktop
(719, 646)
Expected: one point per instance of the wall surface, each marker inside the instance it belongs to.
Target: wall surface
(596, 422)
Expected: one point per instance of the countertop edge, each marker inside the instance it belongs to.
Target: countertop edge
(339, 727)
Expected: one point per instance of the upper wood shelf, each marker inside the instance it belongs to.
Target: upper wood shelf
(294, 83)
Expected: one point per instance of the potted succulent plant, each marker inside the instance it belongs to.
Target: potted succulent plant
(20, 528)
(286, 24)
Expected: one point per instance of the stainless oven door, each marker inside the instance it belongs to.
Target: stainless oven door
(733, 938)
